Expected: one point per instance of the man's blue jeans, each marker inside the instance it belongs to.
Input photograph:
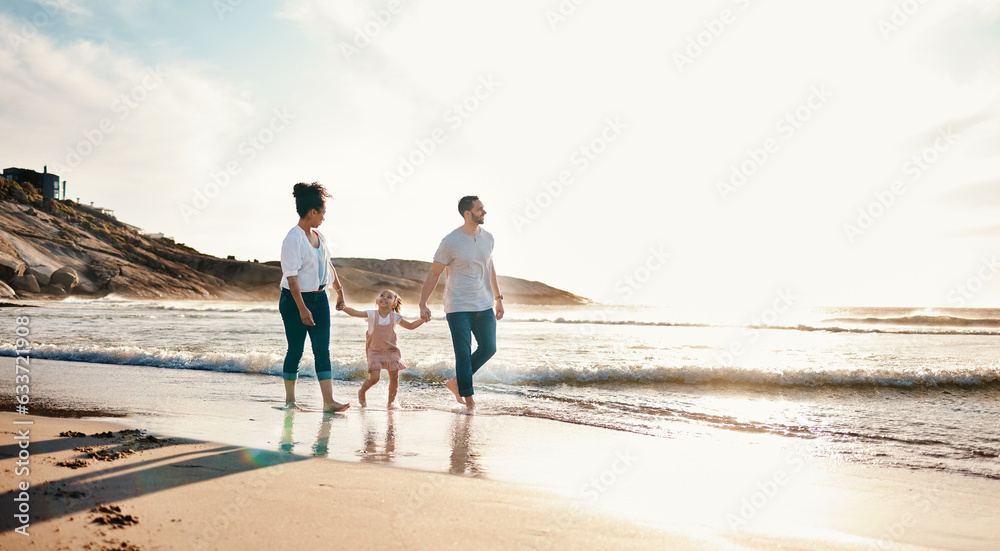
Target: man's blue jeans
(465, 325)
(296, 331)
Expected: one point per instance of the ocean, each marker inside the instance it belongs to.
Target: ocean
(899, 387)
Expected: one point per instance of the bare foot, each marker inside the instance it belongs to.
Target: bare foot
(392, 405)
(452, 385)
(361, 399)
(470, 405)
(335, 407)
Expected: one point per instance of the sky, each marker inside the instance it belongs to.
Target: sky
(722, 155)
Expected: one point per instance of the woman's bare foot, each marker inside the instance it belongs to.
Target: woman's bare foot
(361, 399)
(452, 385)
(335, 407)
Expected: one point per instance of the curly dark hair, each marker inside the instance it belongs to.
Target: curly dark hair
(308, 197)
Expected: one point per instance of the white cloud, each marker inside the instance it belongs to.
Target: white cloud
(655, 186)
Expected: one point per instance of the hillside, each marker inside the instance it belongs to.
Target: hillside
(51, 249)
(365, 278)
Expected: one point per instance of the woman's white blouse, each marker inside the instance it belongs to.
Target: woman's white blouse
(299, 258)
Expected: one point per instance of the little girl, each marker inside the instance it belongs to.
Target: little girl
(380, 342)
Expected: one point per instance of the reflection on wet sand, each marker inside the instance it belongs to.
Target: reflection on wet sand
(287, 443)
(378, 434)
(372, 453)
(464, 457)
(320, 448)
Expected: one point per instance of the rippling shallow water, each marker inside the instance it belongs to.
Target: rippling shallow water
(917, 389)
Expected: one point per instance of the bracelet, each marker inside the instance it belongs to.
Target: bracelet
(500, 297)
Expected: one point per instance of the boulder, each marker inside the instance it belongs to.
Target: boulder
(56, 290)
(10, 265)
(49, 205)
(42, 279)
(6, 291)
(27, 283)
(65, 276)
(19, 196)
(87, 288)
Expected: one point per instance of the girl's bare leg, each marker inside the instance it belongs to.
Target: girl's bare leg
(452, 385)
(373, 377)
(393, 384)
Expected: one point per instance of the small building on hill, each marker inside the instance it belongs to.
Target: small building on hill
(46, 184)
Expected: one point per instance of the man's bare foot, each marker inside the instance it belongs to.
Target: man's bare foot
(452, 385)
(335, 407)
(470, 405)
(361, 399)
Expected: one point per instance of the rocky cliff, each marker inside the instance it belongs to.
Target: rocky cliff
(56, 248)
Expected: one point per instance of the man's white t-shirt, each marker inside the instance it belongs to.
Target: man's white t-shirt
(469, 259)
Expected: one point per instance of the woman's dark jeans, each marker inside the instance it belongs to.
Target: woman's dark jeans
(296, 331)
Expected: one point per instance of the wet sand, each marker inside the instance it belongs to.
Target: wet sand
(162, 492)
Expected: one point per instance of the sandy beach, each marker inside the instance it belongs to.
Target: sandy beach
(181, 494)
(92, 486)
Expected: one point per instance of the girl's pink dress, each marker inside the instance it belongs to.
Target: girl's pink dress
(380, 345)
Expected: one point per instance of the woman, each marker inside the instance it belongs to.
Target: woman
(304, 306)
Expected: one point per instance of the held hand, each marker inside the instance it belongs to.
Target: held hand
(341, 304)
(307, 317)
(425, 313)
(499, 309)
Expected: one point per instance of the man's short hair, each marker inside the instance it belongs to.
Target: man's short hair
(465, 203)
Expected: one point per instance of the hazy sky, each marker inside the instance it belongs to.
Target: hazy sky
(715, 153)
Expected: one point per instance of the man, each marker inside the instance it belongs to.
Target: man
(469, 295)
